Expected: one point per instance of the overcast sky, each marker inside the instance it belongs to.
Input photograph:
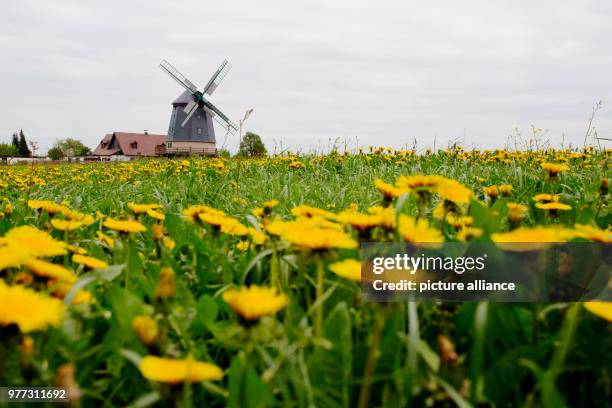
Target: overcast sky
(368, 72)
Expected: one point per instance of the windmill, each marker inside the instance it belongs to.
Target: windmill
(191, 128)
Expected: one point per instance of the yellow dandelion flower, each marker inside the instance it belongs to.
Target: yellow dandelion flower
(193, 213)
(254, 302)
(168, 243)
(47, 206)
(469, 233)
(166, 287)
(555, 206)
(102, 237)
(554, 169)
(146, 329)
(310, 212)
(491, 191)
(419, 232)
(12, 256)
(418, 182)
(89, 261)
(349, 269)
(386, 216)
(516, 212)
(270, 204)
(27, 309)
(156, 214)
(454, 191)
(388, 191)
(213, 219)
(157, 232)
(316, 238)
(505, 189)
(527, 239)
(124, 226)
(233, 227)
(243, 245)
(77, 250)
(359, 221)
(33, 241)
(258, 212)
(50, 271)
(258, 237)
(72, 215)
(601, 309)
(66, 225)
(458, 221)
(546, 198)
(593, 233)
(143, 208)
(174, 371)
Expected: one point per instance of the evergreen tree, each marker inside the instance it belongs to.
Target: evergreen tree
(15, 141)
(24, 150)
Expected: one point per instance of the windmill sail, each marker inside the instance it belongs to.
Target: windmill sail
(189, 114)
(217, 77)
(221, 119)
(178, 77)
(189, 106)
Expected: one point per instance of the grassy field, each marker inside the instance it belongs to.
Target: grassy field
(127, 283)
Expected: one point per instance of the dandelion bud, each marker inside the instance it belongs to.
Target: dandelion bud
(505, 189)
(27, 346)
(146, 329)
(516, 214)
(604, 187)
(158, 232)
(492, 192)
(168, 243)
(8, 210)
(447, 350)
(64, 378)
(165, 287)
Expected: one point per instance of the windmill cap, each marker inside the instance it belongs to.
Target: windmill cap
(183, 98)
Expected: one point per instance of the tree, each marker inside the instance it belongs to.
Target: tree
(24, 150)
(15, 141)
(252, 146)
(224, 153)
(72, 147)
(8, 150)
(55, 153)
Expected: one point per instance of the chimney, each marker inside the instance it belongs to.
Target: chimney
(146, 131)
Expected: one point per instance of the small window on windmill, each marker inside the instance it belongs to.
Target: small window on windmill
(134, 145)
(199, 130)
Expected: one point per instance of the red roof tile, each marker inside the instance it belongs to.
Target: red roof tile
(129, 144)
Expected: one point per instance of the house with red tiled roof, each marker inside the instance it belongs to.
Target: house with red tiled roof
(131, 145)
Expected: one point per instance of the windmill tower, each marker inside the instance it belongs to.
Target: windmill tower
(191, 128)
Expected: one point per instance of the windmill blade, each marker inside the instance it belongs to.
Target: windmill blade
(229, 126)
(189, 106)
(190, 114)
(221, 119)
(178, 77)
(217, 77)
